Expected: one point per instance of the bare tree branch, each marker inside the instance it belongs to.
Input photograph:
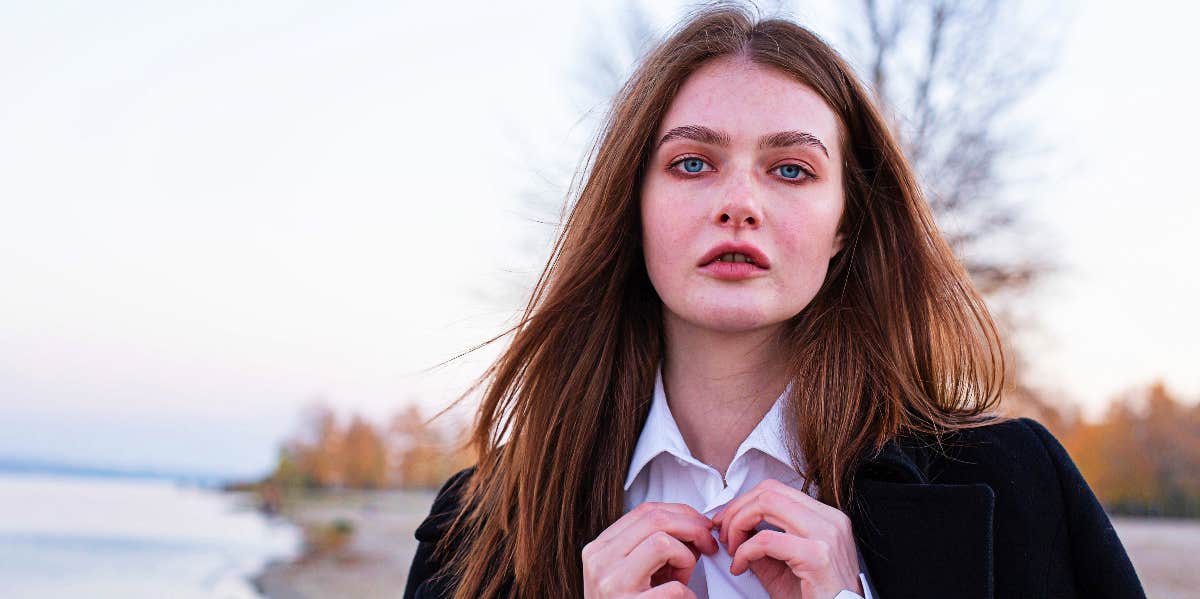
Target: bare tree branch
(959, 69)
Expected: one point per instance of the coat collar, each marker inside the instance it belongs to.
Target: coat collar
(921, 539)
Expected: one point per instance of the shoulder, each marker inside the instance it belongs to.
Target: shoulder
(426, 576)
(1010, 449)
(1030, 474)
(1005, 433)
(445, 508)
(1042, 501)
(1036, 485)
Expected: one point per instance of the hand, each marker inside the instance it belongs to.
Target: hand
(648, 553)
(815, 556)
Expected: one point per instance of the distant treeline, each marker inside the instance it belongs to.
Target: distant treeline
(1143, 457)
(356, 454)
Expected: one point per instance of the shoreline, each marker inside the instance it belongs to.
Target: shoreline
(359, 544)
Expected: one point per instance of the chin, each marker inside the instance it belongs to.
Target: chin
(731, 319)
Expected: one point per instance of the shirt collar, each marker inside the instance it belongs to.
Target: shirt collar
(661, 434)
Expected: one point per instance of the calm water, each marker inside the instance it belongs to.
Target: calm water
(89, 537)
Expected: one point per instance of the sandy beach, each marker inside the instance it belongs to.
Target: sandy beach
(374, 560)
(1164, 553)
(372, 563)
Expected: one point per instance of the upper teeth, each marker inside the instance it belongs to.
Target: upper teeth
(735, 257)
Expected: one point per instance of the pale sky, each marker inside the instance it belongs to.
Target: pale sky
(213, 214)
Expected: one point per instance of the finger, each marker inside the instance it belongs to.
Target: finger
(826, 511)
(735, 506)
(815, 508)
(800, 554)
(690, 528)
(765, 484)
(779, 511)
(616, 528)
(655, 551)
(722, 517)
(670, 590)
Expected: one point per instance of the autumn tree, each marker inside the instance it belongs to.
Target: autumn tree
(1173, 442)
(1143, 456)
(315, 456)
(1112, 458)
(364, 456)
(288, 473)
(421, 456)
(409, 453)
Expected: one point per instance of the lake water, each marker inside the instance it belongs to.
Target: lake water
(63, 536)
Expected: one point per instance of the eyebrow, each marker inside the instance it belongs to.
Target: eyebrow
(713, 137)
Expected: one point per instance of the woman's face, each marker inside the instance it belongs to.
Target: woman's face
(741, 198)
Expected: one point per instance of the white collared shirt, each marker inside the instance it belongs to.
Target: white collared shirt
(664, 470)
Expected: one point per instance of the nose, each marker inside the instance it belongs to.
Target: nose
(740, 209)
(748, 220)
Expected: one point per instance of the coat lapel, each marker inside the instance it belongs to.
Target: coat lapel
(920, 539)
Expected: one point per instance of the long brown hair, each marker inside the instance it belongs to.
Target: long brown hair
(896, 341)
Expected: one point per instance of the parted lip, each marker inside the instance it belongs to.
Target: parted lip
(734, 247)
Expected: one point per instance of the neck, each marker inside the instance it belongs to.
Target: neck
(719, 385)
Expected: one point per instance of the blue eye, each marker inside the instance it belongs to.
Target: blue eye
(692, 167)
(795, 174)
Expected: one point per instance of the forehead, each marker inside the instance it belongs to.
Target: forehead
(747, 100)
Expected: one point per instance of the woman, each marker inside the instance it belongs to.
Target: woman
(753, 367)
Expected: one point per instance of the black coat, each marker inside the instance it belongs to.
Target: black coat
(1001, 511)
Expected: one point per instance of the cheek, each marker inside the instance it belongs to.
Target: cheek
(664, 230)
(805, 240)
(808, 240)
(660, 233)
